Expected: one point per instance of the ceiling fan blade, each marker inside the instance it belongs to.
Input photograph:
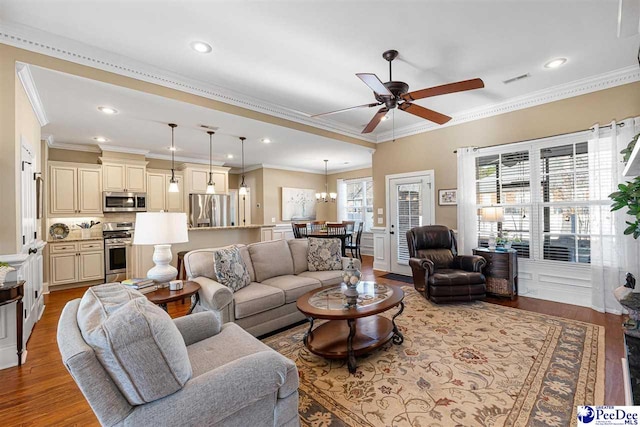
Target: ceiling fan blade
(375, 104)
(374, 83)
(425, 113)
(376, 120)
(444, 89)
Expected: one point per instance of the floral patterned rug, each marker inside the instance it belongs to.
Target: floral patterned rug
(474, 364)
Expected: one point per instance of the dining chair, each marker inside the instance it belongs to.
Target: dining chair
(336, 229)
(350, 227)
(300, 230)
(355, 246)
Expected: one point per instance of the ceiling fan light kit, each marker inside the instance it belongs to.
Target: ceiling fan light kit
(321, 197)
(395, 94)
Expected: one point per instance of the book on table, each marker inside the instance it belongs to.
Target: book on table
(138, 283)
(148, 289)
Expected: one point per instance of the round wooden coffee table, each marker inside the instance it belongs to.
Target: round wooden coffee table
(163, 296)
(351, 330)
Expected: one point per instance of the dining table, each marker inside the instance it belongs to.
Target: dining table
(322, 234)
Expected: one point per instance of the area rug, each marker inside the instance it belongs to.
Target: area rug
(398, 277)
(475, 364)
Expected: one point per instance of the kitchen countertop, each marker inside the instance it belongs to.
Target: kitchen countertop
(232, 227)
(73, 239)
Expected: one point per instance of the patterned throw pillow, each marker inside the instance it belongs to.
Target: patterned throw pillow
(324, 254)
(231, 271)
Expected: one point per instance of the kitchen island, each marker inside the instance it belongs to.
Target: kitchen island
(201, 238)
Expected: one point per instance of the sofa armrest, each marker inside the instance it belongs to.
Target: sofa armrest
(473, 263)
(213, 295)
(198, 326)
(422, 264)
(356, 262)
(215, 395)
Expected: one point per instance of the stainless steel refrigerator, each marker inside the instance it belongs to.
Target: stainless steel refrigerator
(210, 210)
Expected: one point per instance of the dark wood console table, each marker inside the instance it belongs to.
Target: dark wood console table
(13, 292)
(501, 271)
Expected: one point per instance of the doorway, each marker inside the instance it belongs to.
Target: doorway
(410, 204)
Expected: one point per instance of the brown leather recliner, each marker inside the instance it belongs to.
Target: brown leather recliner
(438, 271)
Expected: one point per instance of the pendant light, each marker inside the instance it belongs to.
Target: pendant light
(322, 196)
(243, 187)
(173, 182)
(211, 187)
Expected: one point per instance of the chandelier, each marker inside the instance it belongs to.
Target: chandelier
(322, 196)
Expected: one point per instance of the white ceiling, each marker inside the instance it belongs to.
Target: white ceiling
(71, 102)
(303, 54)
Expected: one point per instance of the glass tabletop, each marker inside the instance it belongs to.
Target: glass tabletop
(333, 298)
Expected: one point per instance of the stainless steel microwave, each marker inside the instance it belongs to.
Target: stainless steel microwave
(124, 202)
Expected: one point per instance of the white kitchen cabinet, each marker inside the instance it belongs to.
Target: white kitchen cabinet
(158, 196)
(75, 189)
(124, 176)
(75, 262)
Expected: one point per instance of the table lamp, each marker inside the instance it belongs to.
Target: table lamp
(492, 214)
(161, 229)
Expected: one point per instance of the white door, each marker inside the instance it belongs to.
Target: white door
(29, 270)
(411, 205)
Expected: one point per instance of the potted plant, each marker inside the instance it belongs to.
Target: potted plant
(628, 195)
(4, 270)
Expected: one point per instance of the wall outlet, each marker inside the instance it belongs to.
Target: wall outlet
(380, 220)
(380, 211)
(273, 219)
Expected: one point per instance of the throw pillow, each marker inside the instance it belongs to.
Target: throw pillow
(231, 271)
(324, 254)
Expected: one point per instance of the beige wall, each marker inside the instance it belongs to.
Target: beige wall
(434, 150)
(331, 211)
(59, 155)
(275, 179)
(254, 180)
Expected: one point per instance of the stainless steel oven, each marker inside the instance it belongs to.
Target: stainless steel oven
(118, 237)
(124, 202)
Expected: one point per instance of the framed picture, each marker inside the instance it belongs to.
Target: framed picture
(298, 204)
(448, 197)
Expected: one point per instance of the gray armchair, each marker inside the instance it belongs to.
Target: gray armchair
(236, 380)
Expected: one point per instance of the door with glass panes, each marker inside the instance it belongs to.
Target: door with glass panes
(411, 205)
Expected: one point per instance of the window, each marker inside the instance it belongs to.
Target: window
(358, 204)
(543, 188)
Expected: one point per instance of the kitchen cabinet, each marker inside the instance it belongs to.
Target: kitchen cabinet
(75, 262)
(75, 189)
(129, 176)
(158, 196)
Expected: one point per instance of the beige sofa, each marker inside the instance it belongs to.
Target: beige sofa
(279, 275)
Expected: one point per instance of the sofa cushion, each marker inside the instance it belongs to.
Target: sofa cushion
(230, 268)
(244, 253)
(293, 286)
(271, 259)
(447, 277)
(138, 345)
(326, 278)
(324, 254)
(299, 252)
(256, 298)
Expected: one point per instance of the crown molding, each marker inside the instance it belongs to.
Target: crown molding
(39, 41)
(24, 74)
(118, 149)
(568, 90)
(183, 159)
(73, 147)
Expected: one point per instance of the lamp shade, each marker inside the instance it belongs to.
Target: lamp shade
(160, 228)
(491, 214)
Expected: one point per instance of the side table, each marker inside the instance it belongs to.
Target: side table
(13, 292)
(501, 271)
(163, 296)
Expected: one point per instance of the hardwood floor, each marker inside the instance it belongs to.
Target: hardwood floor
(42, 393)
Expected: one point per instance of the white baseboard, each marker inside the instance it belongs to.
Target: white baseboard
(45, 288)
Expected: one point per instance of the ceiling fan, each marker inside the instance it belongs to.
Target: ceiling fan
(396, 94)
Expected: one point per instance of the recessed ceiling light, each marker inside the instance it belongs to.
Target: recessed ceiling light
(346, 163)
(201, 47)
(229, 156)
(266, 140)
(555, 63)
(384, 118)
(108, 110)
(172, 148)
(100, 138)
